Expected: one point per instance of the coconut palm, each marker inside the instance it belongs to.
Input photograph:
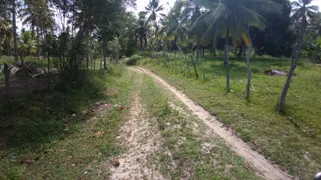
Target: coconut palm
(14, 30)
(27, 45)
(153, 9)
(5, 32)
(142, 29)
(303, 11)
(38, 15)
(232, 19)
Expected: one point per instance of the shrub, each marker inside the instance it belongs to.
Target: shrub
(145, 53)
(133, 60)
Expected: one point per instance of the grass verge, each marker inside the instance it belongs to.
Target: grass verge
(292, 140)
(55, 135)
(189, 150)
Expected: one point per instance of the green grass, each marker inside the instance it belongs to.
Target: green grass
(43, 130)
(293, 139)
(194, 154)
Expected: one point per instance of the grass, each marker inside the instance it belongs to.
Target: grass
(189, 151)
(293, 139)
(56, 134)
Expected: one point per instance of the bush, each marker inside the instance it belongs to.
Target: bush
(133, 60)
(145, 53)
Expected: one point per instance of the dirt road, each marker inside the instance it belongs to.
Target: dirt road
(258, 162)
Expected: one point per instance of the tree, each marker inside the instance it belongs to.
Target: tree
(154, 10)
(26, 45)
(14, 30)
(38, 15)
(302, 12)
(278, 38)
(114, 47)
(232, 19)
(5, 33)
(141, 30)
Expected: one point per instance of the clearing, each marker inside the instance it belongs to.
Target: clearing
(139, 127)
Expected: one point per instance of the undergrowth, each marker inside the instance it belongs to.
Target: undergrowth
(60, 133)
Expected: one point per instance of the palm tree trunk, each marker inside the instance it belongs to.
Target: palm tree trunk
(14, 29)
(0, 47)
(21, 58)
(239, 55)
(38, 44)
(194, 66)
(187, 66)
(105, 61)
(203, 71)
(198, 48)
(226, 60)
(249, 74)
(101, 63)
(292, 68)
(141, 43)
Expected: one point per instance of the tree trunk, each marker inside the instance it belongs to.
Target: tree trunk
(226, 60)
(293, 66)
(0, 47)
(145, 39)
(94, 64)
(101, 63)
(203, 69)
(198, 48)
(38, 44)
(21, 58)
(239, 55)
(187, 66)
(249, 74)
(87, 61)
(287, 84)
(90, 46)
(14, 29)
(141, 43)
(6, 75)
(194, 66)
(48, 67)
(105, 61)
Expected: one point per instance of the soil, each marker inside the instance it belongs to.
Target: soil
(140, 138)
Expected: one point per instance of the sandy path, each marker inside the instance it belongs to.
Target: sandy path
(140, 137)
(258, 162)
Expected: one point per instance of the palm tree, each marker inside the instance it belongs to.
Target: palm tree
(231, 19)
(26, 45)
(303, 11)
(14, 30)
(176, 23)
(141, 30)
(154, 10)
(38, 15)
(5, 32)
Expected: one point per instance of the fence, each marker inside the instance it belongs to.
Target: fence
(11, 87)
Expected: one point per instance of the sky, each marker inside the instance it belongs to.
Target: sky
(141, 4)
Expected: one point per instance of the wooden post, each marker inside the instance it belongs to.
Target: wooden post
(6, 74)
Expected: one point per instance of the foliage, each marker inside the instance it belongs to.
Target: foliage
(59, 120)
(114, 47)
(133, 60)
(27, 45)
